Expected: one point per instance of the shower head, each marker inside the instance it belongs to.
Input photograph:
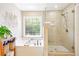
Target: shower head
(65, 21)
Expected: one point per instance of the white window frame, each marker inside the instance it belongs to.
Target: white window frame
(41, 26)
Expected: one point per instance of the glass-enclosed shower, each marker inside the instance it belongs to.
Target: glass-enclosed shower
(60, 25)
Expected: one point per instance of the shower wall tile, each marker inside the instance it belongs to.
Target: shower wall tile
(54, 31)
(68, 37)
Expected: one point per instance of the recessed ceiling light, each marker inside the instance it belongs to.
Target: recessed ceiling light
(56, 6)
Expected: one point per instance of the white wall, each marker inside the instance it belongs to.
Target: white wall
(10, 16)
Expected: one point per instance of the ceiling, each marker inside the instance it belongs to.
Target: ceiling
(41, 6)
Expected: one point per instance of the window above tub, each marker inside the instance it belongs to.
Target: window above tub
(32, 26)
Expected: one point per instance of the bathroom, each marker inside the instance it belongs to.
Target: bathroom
(41, 29)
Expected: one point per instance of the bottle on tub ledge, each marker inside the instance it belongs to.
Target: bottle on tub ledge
(7, 46)
(6, 50)
(1, 49)
(11, 44)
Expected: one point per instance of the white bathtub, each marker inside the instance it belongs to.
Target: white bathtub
(57, 48)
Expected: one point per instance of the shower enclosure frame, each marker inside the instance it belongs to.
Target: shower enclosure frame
(46, 34)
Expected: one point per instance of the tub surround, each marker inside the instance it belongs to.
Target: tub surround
(29, 51)
(27, 47)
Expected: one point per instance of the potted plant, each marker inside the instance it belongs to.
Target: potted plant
(4, 32)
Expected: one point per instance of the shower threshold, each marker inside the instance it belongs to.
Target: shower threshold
(56, 50)
(60, 53)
